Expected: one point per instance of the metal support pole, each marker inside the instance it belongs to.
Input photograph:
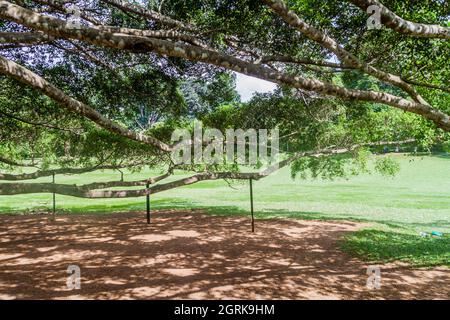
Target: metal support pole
(251, 204)
(148, 203)
(54, 198)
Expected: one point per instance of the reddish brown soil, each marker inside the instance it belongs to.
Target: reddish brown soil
(194, 256)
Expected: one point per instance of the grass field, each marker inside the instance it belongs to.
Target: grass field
(416, 199)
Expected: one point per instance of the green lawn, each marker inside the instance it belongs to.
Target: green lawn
(415, 200)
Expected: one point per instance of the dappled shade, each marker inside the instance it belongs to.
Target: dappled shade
(186, 254)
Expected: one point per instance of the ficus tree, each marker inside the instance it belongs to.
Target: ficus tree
(90, 85)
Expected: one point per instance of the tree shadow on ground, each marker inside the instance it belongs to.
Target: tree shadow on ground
(186, 254)
(305, 215)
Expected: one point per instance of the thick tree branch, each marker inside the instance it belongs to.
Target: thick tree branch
(287, 59)
(115, 184)
(25, 37)
(48, 173)
(348, 59)
(24, 75)
(393, 21)
(88, 191)
(93, 35)
(427, 85)
(159, 34)
(84, 191)
(149, 14)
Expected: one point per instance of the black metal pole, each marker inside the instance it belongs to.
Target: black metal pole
(251, 204)
(54, 198)
(148, 203)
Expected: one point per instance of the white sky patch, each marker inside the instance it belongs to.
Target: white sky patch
(247, 86)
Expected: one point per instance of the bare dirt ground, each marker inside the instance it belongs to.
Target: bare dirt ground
(188, 255)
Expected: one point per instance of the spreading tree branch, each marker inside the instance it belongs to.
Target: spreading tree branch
(90, 190)
(394, 22)
(93, 35)
(149, 14)
(348, 59)
(50, 172)
(28, 77)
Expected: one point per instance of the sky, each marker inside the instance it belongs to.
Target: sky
(247, 86)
